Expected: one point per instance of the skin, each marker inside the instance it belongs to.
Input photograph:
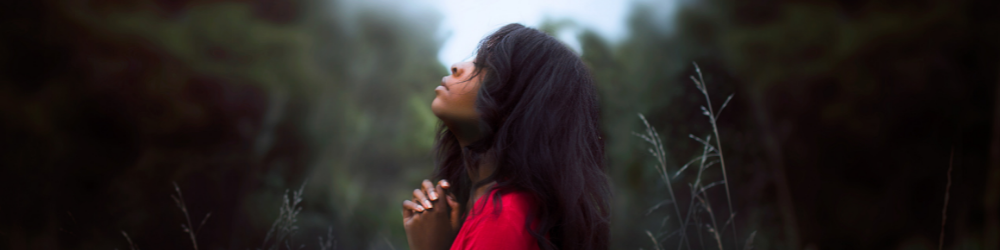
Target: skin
(429, 222)
(455, 103)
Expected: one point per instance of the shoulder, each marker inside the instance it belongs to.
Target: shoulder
(514, 204)
(504, 207)
(499, 223)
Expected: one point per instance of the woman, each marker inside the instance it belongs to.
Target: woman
(521, 147)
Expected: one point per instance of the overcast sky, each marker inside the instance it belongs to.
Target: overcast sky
(465, 22)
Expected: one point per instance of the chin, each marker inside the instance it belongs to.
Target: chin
(437, 108)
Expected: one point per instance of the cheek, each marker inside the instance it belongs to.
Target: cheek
(465, 100)
(465, 103)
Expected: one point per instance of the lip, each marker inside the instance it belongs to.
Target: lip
(442, 87)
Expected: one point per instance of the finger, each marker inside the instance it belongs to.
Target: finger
(438, 189)
(444, 184)
(449, 198)
(428, 187)
(420, 198)
(452, 202)
(407, 213)
(455, 212)
(409, 207)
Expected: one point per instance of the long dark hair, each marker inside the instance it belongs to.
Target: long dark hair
(539, 121)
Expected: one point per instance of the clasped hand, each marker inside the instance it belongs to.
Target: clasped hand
(429, 223)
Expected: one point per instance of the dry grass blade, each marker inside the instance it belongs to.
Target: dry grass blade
(657, 151)
(328, 243)
(699, 205)
(724, 106)
(704, 188)
(202, 222)
(710, 164)
(284, 226)
(655, 242)
(657, 206)
(711, 228)
(695, 187)
(187, 228)
(715, 234)
(692, 161)
(947, 189)
(718, 142)
(749, 244)
(389, 243)
(130, 244)
(705, 142)
(730, 220)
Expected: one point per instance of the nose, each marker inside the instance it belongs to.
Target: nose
(457, 69)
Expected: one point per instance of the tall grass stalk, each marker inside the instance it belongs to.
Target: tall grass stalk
(944, 210)
(710, 156)
(179, 200)
(284, 226)
(657, 151)
(131, 246)
(327, 244)
(713, 117)
(278, 236)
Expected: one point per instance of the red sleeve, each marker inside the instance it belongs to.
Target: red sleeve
(489, 230)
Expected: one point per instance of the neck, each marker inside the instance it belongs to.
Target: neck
(465, 132)
(487, 165)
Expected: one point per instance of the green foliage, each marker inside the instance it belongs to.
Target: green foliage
(236, 100)
(826, 89)
(844, 114)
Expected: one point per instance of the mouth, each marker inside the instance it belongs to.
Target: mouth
(443, 86)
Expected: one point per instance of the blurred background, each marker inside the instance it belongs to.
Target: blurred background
(845, 120)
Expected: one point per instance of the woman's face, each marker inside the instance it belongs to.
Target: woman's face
(456, 97)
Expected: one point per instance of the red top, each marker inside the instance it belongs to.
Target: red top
(486, 228)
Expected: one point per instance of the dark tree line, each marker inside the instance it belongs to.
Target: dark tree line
(839, 135)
